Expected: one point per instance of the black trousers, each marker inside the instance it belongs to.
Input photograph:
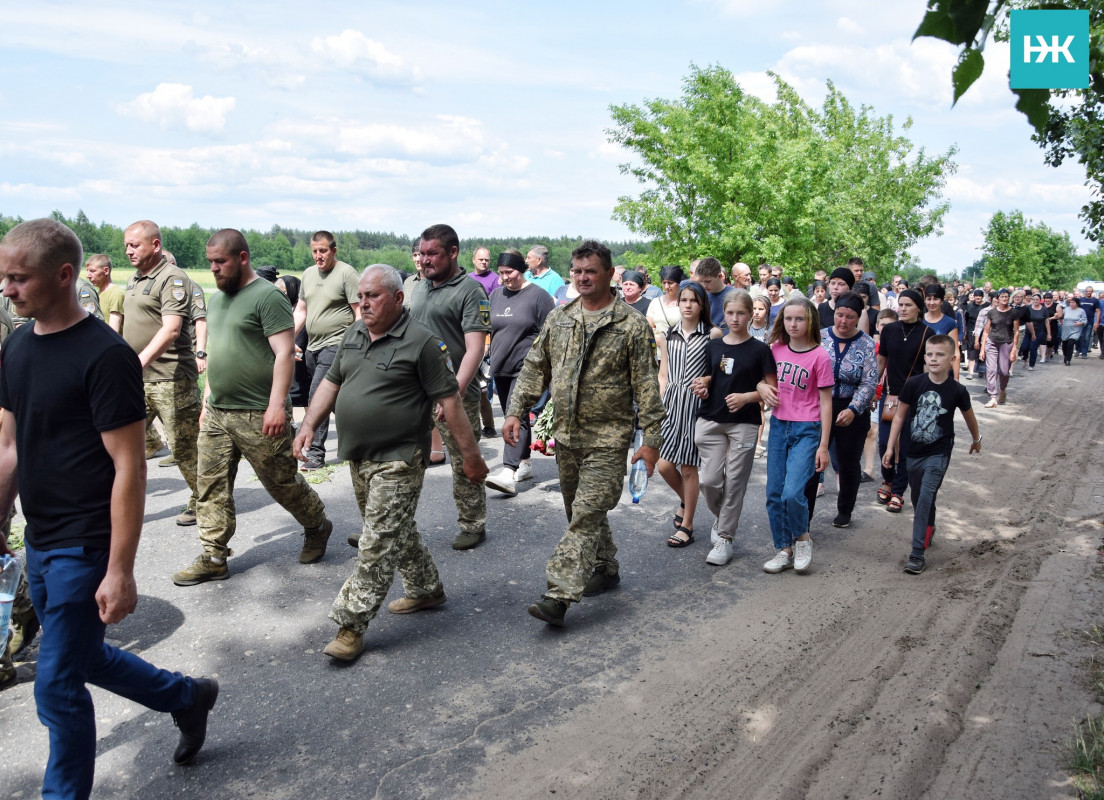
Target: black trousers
(849, 440)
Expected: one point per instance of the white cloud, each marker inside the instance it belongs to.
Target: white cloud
(447, 139)
(171, 105)
(848, 25)
(353, 51)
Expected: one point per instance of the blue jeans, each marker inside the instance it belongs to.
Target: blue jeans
(925, 477)
(72, 652)
(1085, 341)
(791, 456)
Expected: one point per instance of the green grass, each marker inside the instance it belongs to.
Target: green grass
(15, 540)
(203, 277)
(1086, 759)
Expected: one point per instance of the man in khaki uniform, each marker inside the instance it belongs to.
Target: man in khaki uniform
(457, 310)
(247, 411)
(389, 373)
(157, 311)
(327, 307)
(598, 357)
(98, 271)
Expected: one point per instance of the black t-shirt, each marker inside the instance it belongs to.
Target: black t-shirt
(904, 353)
(827, 315)
(931, 414)
(64, 389)
(1090, 305)
(642, 304)
(516, 319)
(736, 368)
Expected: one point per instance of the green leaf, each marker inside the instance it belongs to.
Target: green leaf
(1035, 105)
(938, 24)
(967, 70)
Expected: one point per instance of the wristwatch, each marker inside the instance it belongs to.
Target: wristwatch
(201, 354)
(978, 440)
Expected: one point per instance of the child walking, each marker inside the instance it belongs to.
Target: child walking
(800, 425)
(729, 420)
(927, 406)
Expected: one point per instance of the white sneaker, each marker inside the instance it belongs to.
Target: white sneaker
(782, 560)
(715, 536)
(803, 555)
(524, 472)
(820, 490)
(503, 481)
(721, 553)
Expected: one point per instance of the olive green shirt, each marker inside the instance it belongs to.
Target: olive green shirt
(596, 367)
(111, 300)
(456, 307)
(164, 291)
(388, 389)
(328, 296)
(239, 356)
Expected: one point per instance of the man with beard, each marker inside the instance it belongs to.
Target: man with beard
(247, 410)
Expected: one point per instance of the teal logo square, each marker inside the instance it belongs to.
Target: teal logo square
(1050, 49)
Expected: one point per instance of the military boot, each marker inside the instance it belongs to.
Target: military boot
(314, 543)
(549, 610)
(203, 569)
(346, 646)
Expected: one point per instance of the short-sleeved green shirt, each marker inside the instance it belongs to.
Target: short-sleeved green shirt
(239, 357)
(328, 296)
(111, 300)
(456, 307)
(199, 302)
(388, 389)
(89, 297)
(164, 291)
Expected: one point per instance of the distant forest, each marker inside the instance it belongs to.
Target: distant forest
(289, 250)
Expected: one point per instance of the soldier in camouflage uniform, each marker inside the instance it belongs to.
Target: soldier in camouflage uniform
(389, 373)
(457, 310)
(23, 618)
(157, 312)
(598, 356)
(248, 411)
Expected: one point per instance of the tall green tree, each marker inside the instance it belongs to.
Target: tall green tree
(1067, 123)
(728, 175)
(1018, 252)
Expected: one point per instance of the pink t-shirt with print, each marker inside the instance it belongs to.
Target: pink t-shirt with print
(800, 377)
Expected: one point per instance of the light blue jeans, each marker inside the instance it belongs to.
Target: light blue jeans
(791, 457)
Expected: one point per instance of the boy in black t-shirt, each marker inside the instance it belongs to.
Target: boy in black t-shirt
(927, 406)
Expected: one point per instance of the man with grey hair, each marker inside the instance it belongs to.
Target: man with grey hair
(247, 411)
(539, 272)
(741, 276)
(383, 423)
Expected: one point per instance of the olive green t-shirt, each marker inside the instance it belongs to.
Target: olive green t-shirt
(239, 357)
(456, 307)
(328, 296)
(111, 300)
(164, 291)
(388, 389)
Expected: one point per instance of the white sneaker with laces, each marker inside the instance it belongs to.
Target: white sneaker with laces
(803, 555)
(721, 553)
(782, 560)
(503, 481)
(524, 472)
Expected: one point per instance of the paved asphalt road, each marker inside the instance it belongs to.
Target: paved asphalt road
(435, 693)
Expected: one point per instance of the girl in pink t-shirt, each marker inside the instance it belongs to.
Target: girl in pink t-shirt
(799, 429)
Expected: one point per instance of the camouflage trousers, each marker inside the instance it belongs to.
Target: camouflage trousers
(225, 437)
(387, 493)
(591, 480)
(471, 498)
(22, 611)
(177, 404)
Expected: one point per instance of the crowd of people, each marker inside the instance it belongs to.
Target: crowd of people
(702, 370)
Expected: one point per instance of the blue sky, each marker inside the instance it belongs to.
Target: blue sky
(486, 115)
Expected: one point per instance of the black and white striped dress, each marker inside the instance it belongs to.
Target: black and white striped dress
(686, 360)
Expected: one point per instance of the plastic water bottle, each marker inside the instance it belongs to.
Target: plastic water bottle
(638, 475)
(9, 583)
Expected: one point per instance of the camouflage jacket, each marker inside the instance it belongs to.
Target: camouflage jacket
(594, 380)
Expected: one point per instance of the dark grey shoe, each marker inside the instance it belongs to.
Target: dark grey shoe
(600, 582)
(914, 566)
(842, 521)
(192, 720)
(549, 610)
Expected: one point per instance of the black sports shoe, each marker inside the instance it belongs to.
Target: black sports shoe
(192, 720)
(549, 610)
(842, 521)
(914, 566)
(600, 582)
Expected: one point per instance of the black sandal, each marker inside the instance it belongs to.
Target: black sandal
(678, 517)
(675, 541)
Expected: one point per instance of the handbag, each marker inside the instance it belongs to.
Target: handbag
(889, 408)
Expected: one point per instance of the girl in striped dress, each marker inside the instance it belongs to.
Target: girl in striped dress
(682, 358)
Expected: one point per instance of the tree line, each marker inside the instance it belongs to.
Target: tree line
(288, 249)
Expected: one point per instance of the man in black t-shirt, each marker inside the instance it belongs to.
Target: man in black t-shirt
(72, 446)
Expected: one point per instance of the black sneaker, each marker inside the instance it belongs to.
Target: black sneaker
(192, 720)
(915, 565)
(312, 464)
(549, 610)
(488, 430)
(600, 582)
(842, 521)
